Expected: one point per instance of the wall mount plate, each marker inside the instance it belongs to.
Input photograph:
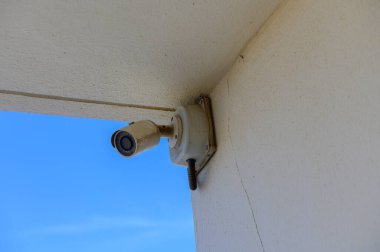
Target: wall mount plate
(205, 103)
(193, 134)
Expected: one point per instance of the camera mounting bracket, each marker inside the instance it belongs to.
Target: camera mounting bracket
(194, 136)
(205, 103)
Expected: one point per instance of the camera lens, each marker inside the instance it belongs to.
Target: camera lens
(125, 143)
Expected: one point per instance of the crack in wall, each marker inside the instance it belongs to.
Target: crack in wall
(196, 230)
(80, 100)
(238, 172)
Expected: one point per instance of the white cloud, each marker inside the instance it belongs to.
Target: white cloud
(106, 223)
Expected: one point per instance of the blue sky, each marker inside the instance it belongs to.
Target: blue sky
(64, 188)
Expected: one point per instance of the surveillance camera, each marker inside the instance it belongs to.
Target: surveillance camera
(138, 137)
(190, 134)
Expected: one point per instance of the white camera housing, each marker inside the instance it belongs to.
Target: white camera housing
(136, 138)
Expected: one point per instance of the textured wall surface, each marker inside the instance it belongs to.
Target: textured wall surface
(298, 131)
(136, 52)
(297, 117)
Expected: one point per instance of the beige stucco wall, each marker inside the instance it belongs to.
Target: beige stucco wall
(298, 131)
(297, 117)
(145, 57)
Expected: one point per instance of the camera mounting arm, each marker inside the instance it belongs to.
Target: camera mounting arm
(166, 130)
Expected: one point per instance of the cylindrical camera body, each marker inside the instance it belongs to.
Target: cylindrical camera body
(136, 138)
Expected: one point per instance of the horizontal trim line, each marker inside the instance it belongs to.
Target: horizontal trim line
(79, 100)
